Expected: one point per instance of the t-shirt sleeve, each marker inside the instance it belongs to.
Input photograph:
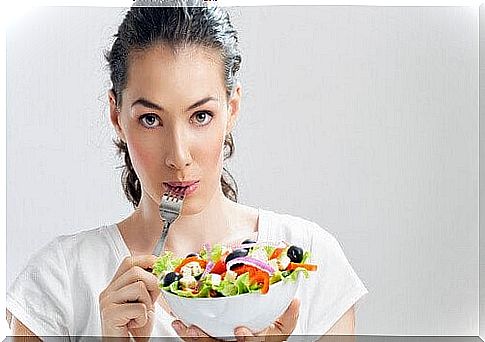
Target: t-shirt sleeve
(40, 296)
(333, 288)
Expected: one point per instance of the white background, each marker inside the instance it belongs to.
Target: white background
(362, 119)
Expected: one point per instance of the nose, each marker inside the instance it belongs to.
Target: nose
(178, 155)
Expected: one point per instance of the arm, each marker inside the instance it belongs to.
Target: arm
(344, 326)
(19, 329)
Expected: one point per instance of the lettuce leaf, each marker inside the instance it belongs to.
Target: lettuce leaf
(165, 263)
(173, 288)
(204, 291)
(254, 287)
(203, 254)
(242, 283)
(306, 257)
(216, 252)
(276, 277)
(269, 250)
(227, 288)
(293, 275)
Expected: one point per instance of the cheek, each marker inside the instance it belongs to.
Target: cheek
(143, 159)
(213, 152)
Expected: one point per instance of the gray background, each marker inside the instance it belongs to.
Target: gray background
(482, 170)
(369, 112)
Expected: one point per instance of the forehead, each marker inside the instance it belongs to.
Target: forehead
(174, 76)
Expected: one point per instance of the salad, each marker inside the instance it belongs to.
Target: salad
(223, 271)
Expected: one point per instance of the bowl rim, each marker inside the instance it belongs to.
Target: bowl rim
(226, 297)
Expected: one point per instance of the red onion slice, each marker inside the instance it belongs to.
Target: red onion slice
(207, 247)
(210, 265)
(252, 262)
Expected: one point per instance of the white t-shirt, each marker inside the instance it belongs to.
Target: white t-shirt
(57, 292)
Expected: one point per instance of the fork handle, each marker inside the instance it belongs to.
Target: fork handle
(161, 242)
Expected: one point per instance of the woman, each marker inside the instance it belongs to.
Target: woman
(174, 103)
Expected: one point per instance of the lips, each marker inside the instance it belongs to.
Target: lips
(182, 184)
(181, 187)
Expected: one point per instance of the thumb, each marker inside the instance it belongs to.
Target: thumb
(286, 323)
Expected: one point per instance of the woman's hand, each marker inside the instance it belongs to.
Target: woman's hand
(127, 304)
(277, 331)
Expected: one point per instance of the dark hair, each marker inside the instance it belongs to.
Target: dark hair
(176, 26)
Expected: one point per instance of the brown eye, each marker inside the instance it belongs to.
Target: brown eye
(202, 118)
(149, 120)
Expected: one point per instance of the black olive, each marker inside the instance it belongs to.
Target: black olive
(236, 254)
(171, 277)
(192, 255)
(248, 241)
(233, 267)
(295, 254)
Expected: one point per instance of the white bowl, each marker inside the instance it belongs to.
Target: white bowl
(219, 316)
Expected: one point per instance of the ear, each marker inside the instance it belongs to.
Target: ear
(114, 115)
(234, 107)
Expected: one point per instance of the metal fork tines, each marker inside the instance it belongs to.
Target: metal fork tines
(170, 208)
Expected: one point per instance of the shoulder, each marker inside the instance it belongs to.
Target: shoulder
(68, 265)
(297, 229)
(83, 242)
(83, 237)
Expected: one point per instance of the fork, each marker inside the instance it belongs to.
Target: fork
(170, 208)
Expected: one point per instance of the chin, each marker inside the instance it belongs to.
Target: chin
(192, 206)
(197, 203)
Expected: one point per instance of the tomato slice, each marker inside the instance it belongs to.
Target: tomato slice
(255, 276)
(261, 278)
(219, 267)
(265, 288)
(246, 268)
(184, 262)
(293, 265)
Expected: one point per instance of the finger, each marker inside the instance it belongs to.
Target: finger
(137, 312)
(145, 331)
(243, 334)
(136, 274)
(124, 314)
(134, 292)
(192, 333)
(181, 330)
(144, 261)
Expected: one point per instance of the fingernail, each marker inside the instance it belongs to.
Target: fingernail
(240, 331)
(176, 325)
(193, 331)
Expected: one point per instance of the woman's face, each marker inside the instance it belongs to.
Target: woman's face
(174, 116)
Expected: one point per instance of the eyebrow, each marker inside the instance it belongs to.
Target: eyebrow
(149, 104)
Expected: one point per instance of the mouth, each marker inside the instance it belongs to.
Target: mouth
(181, 187)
